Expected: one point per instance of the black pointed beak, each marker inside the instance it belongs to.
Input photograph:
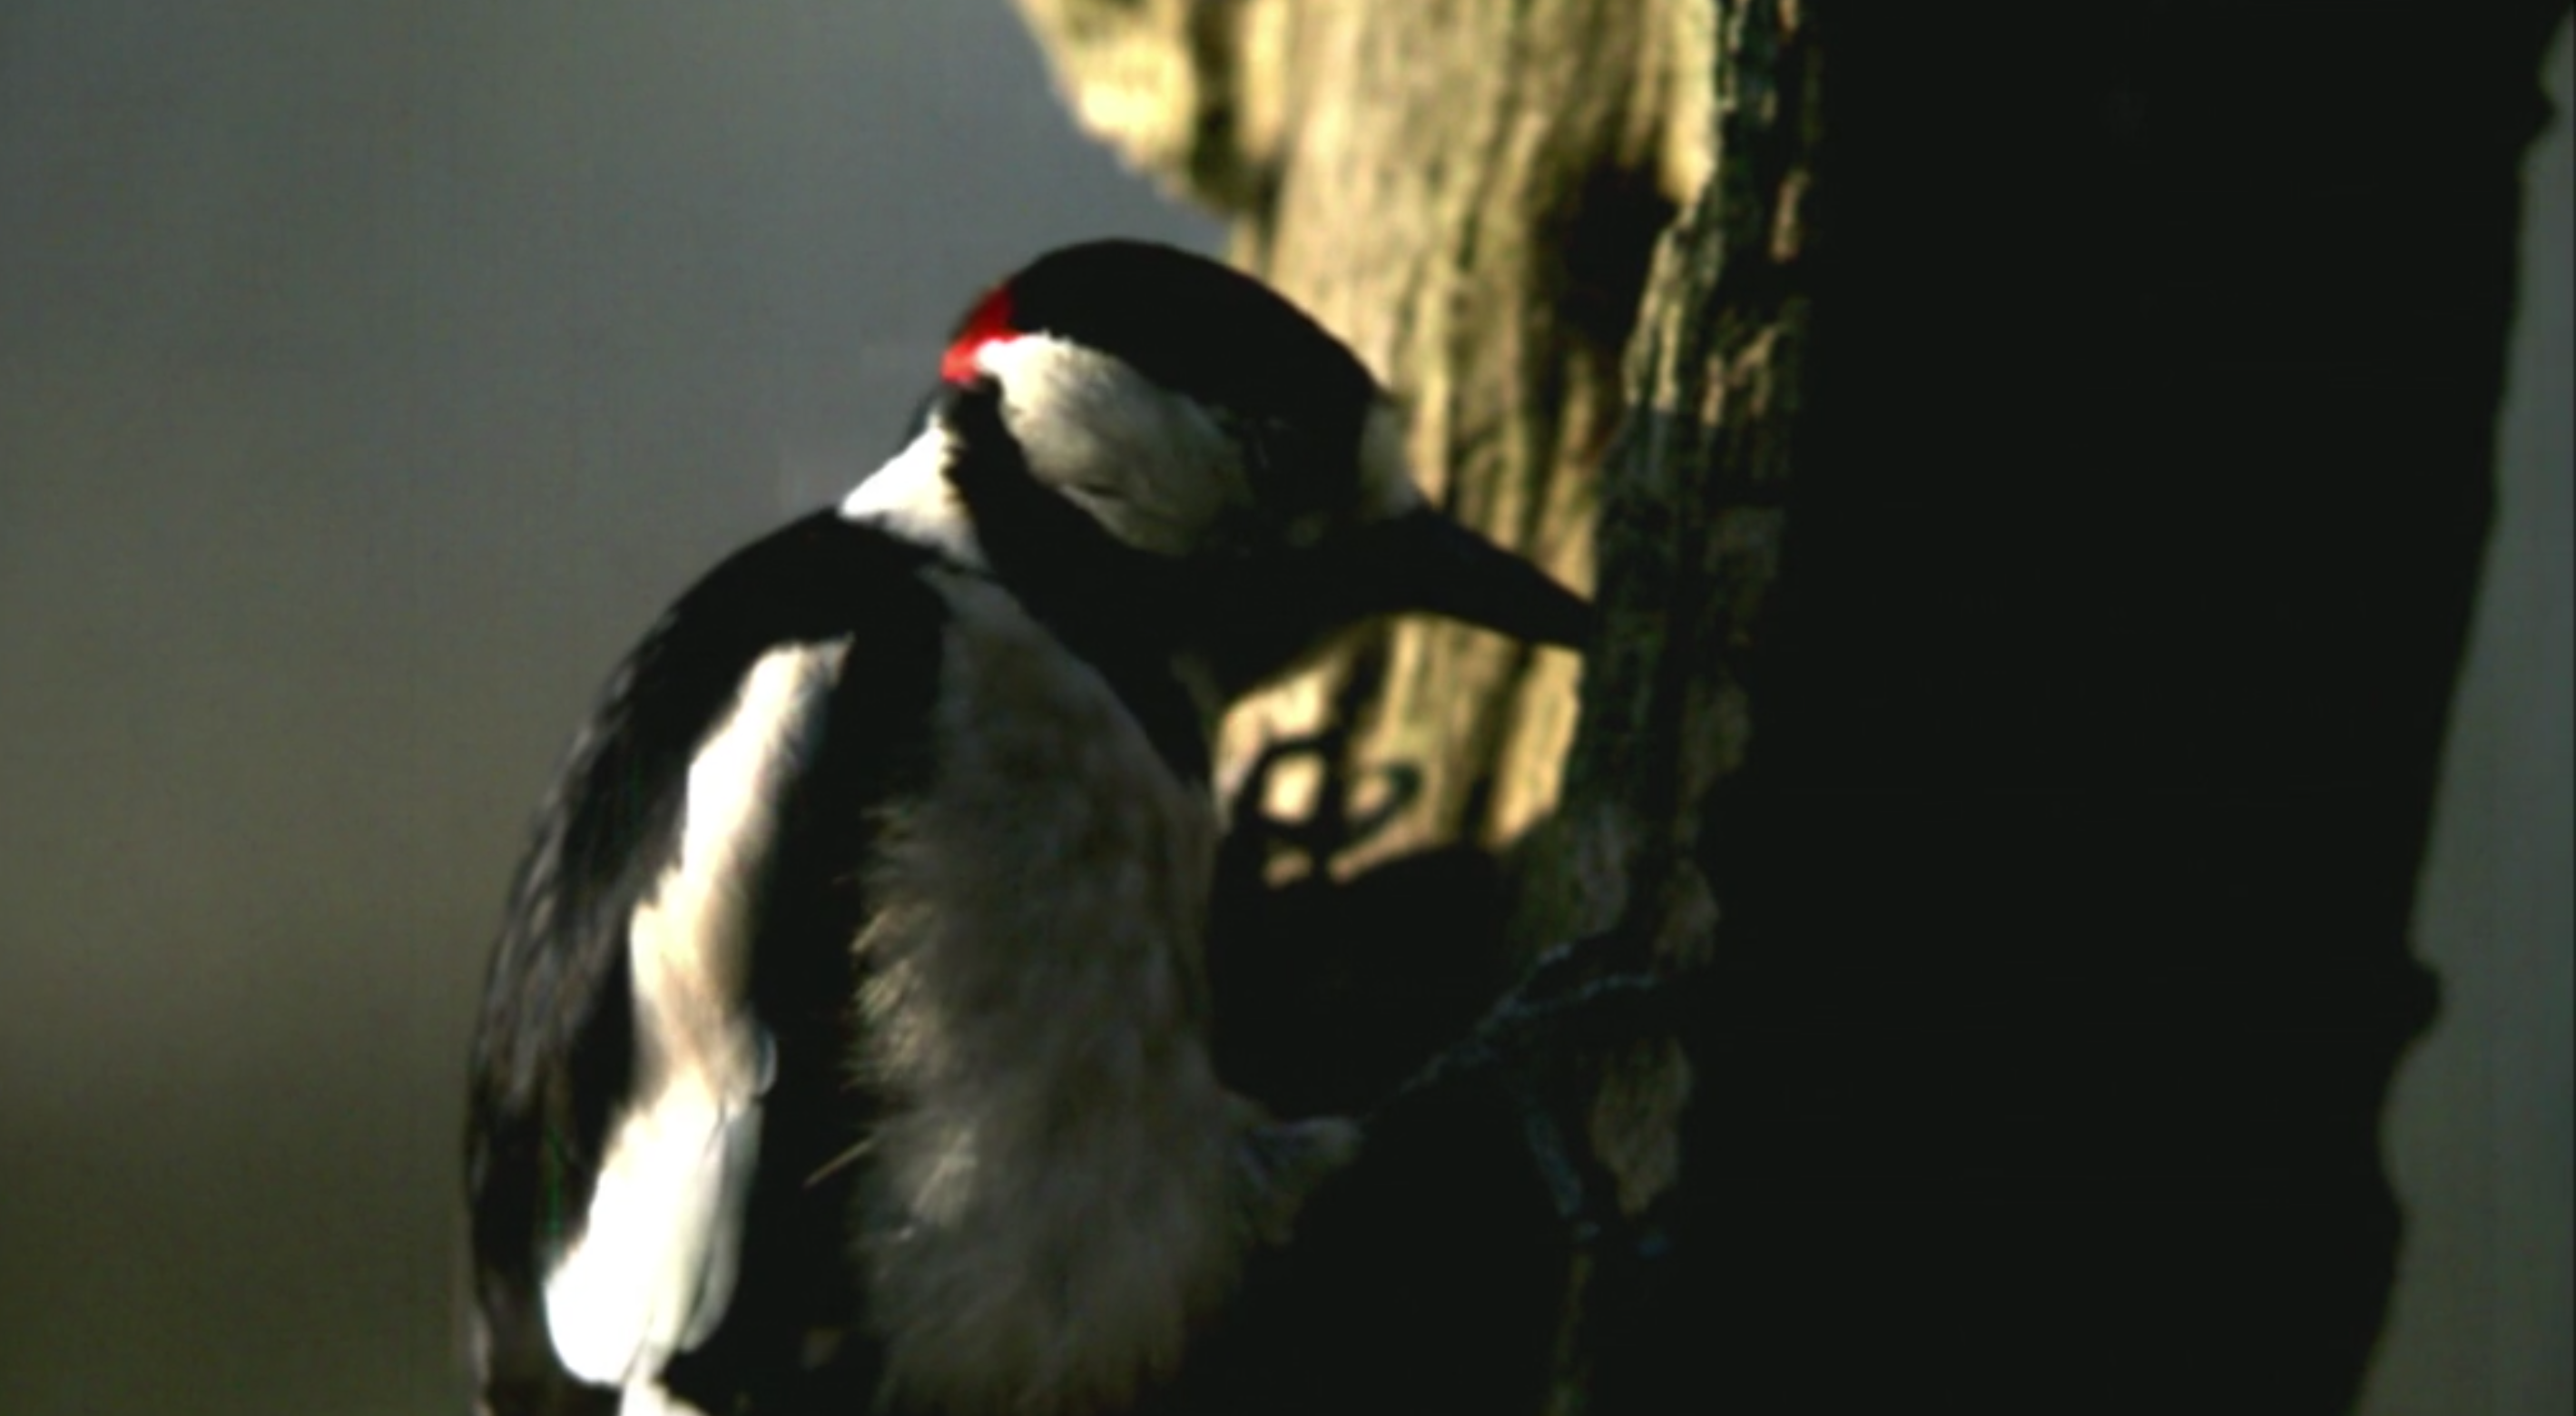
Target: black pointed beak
(1431, 563)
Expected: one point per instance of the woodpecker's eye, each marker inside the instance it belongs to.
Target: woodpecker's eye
(1292, 473)
(1306, 531)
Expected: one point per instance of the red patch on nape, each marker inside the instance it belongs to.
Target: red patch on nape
(989, 323)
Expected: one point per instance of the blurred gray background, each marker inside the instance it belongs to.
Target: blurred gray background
(369, 376)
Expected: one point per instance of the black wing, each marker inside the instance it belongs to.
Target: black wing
(553, 1044)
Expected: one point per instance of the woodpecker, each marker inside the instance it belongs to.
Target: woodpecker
(846, 1044)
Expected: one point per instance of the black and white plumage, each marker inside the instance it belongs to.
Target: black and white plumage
(846, 1045)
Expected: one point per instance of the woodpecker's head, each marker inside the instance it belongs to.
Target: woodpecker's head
(1161, 440)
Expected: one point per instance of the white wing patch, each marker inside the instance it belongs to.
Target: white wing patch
(653, 1267)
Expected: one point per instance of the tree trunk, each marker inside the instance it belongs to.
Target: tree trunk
(2040, 456)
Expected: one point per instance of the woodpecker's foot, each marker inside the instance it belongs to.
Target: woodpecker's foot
(1281, 1162)
(1535, 1046)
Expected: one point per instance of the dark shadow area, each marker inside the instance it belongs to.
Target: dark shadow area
(2064, 897)
(1422, 1278)
(2063, 959)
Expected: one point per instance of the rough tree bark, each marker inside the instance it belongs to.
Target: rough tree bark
(2039, 454)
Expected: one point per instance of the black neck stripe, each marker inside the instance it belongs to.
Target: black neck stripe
(1117, 607)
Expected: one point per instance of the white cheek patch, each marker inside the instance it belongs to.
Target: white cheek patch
(654, 1265)
(911, 497)
(1151, 467)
